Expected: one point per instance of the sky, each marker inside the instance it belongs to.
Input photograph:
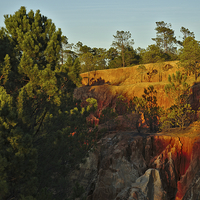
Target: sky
(95, 22)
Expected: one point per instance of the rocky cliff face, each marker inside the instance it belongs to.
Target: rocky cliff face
(131, 166)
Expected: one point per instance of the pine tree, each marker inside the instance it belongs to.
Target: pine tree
(181, 113)
(177, 88)
(74, 70)
(122, 41)
(190, 56)
(165, 38)
(149, 107)
(43, 130)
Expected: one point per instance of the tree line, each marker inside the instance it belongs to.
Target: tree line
(122, 53)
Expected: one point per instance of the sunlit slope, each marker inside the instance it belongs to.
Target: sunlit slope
(106, 85)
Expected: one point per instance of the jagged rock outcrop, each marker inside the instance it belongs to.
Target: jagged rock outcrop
(148, 186)
(123, 166)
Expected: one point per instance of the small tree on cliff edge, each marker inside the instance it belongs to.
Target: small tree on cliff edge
(149, 107)
(180, 114)
(177, 88)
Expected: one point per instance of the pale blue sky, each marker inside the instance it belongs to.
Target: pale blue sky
(95, 22)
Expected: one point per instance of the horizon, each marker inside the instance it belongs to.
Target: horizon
(94, 23)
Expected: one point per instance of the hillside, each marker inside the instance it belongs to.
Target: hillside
(107, 85)
(132, 165)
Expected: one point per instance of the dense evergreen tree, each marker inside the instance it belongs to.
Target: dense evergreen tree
(99, 58)
(73, 67)
(151, 54)
(114, 58)
(43, 130)
(130, 56)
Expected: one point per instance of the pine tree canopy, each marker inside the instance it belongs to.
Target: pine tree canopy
(43, 131)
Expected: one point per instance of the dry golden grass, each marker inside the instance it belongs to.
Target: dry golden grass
(130, 75)
(127, 81)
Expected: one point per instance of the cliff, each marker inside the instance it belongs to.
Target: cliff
(139, 166)
(128, 165)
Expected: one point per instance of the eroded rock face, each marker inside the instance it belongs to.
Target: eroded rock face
(193, 192)
(128, 166)
(148, 186)
(116, 167)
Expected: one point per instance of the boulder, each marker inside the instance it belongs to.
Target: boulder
(148, 186)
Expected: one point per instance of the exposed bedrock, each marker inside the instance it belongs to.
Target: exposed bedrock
(128, 166)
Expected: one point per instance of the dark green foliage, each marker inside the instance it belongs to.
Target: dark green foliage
(43, 130)
(108, 117)
(77, 191)
(99, 58)
(107, 114)
(122, 41)
(115, 63)
(165, 38)
(87, 62)
(181, 113)
(73, 68)
(130, 57)
(186, 33)
(151, 55)
(190, 56)
(149, 107)
(18, 155)
(63, 146)
(66, 50)
(177, 88)
(114, 58)
(112, 53)
(178, 115)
